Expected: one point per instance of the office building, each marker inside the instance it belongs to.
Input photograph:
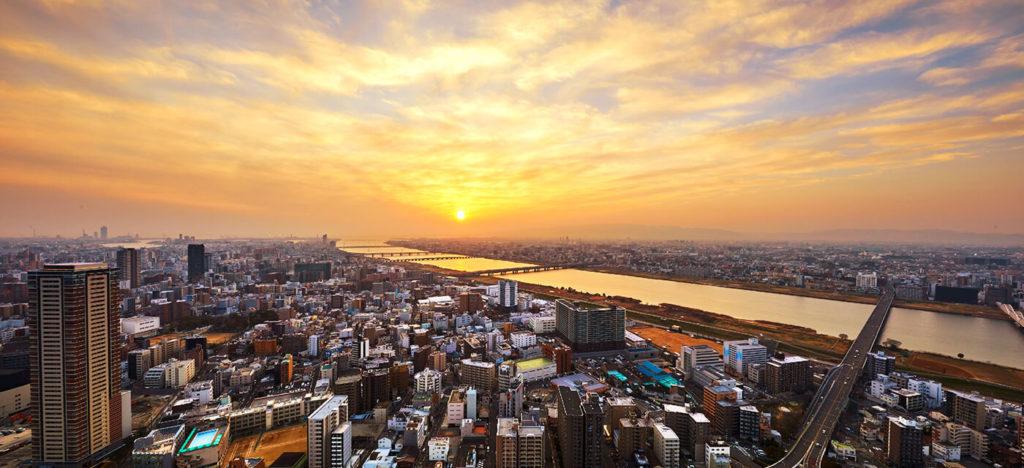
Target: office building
(518, 445)
(75, 360)
(196, 262)
(666, 446)
(788, 374)
(103, 232)
(692, 358)
(580, 429)
(739, 355)
(128, 266)
(904, 443)
(589, 328)
(508, 295)
(140, 325)
(311, 272)
(320, 427)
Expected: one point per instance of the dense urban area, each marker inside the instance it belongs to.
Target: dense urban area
(289, 353)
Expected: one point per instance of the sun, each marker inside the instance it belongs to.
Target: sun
(460, 215)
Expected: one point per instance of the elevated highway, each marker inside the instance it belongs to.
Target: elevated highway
(829, 402)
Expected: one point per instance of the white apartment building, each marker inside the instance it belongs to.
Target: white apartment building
(320, 427)
(523, 339)
(666, 445)
(437, 448)
(428, 381)
(543, 324)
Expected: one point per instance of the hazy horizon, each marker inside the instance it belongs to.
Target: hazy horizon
(460, 119)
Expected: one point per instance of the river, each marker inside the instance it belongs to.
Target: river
(979, 339)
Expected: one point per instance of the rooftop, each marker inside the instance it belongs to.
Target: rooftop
(79, 266)
(527, 365)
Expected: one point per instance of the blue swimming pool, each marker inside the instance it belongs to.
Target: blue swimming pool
(201, 440)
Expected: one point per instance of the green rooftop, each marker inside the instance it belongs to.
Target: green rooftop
(527, 365)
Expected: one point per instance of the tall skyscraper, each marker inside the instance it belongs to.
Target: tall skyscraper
(128, 266)
(196, 262)
(320, 426)
(508, 294)
(103, 232)
(590, 328)
(75, 360)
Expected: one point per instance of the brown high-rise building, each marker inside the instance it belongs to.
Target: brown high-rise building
(75, 358)
(128, 266)
(789, 374)
(904, 443)
(580, 429)
(967, 409)
(438, 361)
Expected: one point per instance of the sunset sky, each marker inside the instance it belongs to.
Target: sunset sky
(387, 118)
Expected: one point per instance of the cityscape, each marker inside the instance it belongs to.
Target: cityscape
(561, 234)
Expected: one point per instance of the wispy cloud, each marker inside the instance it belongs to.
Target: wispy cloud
(291, 115)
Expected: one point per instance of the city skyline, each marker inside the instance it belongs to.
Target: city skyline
(363, 119)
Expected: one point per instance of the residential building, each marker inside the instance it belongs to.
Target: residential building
(788, 374)
(508, 292)
(320, 427)
(666, 446)
(904, 443)
(518, 445)
(580, 429)
(75, 359)
(589, 328)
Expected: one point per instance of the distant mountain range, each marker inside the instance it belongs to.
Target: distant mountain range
(880, 236)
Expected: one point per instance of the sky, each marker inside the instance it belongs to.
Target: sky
(387, 117)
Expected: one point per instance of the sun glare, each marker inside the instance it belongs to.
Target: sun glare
(460, 215)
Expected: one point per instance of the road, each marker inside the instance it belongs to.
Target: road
(831, 398)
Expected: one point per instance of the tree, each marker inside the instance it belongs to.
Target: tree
(960, 355)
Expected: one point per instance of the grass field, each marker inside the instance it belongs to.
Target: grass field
(671, 341)
(270, 445)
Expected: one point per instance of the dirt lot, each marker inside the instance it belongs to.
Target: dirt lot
(146, 409)
(214, 339)
(672, 341)
(270, 445)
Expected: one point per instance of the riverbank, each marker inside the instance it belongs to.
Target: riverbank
(996, 380)
(939, 307)
(844, 296)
